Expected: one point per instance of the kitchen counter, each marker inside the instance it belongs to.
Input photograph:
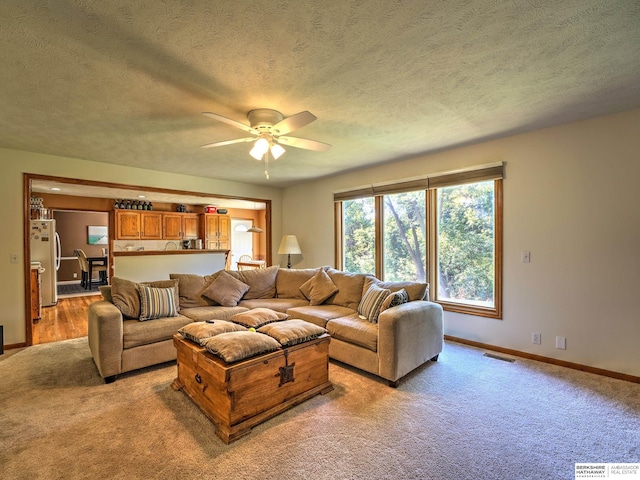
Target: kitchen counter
(137, 253)
(150, 265)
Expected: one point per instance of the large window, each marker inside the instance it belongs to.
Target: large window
(359, 238)
(405, 237)
(448, 233)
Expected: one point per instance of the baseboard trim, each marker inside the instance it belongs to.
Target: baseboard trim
(540, 358)
(15, 345)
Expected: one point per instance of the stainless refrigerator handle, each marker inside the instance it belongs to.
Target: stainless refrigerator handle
(58, 251)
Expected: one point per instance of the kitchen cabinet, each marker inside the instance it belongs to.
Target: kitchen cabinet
(127, 225)
(150, 226)
(217, 230)
(180, 226)
(132, 225)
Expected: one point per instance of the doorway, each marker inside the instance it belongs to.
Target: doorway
(241, 240)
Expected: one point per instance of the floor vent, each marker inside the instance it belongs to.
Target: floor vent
(500, 357)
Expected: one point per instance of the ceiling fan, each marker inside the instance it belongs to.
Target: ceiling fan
(269, 129)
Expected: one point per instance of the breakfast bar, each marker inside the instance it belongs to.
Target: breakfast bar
(149, 265)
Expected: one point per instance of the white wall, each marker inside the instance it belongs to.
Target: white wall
(570, 197)
(14, 163)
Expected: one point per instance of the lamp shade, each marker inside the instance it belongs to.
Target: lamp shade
(289, 245)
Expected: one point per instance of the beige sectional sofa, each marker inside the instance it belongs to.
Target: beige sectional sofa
(372, 325)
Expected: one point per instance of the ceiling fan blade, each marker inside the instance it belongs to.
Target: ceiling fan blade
(233, 123)
(304, 143)
(228, 142)
(292, 123)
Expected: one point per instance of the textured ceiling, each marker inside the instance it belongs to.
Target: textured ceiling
(124, 81)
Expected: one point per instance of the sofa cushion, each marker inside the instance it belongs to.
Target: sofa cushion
(258, 317)
(289, 280)
(126, 296)
(235, 346)
(226, 290)
(415, 290)
(156, 303)
(277, 304)
(198, 331)
(394, 299)
(350, 288)
(292, 332)
(135, 333)
(190, 287)
(212, 312)
(354, 330)
(371, 304)
(261, 281)
(319, 314)
(318, 288)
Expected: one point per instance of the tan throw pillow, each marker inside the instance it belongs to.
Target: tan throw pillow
(261, 281)
(226, 290)
(235, 346)
(371, 303)
(258, 317)
(318, 288)
(292, 332)
(199, 331)
(288, 281)
(126, 298)
(394, 299)
(156, 303)
(415, 290)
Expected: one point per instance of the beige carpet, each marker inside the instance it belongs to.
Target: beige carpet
(465, 417)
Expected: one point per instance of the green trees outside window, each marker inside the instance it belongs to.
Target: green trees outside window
(359, 240)
(465, 237)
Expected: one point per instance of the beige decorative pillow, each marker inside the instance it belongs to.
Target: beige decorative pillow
(156, 303)
(226, 290)
(127, 299)
(258, 317)
(235, 346)
(199, 331)
(318, 288)
(288, 281)
(261, 281)
(292, 332)
(371, 303)
(415, 290)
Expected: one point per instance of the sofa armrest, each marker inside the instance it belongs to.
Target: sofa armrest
(105, 337)
(408, 336)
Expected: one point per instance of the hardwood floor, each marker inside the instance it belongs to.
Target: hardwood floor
(68, 319)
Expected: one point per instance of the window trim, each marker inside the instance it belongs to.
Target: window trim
(430, 184)
(432, 244)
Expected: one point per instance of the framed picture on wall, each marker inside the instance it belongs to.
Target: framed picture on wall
(97, 235)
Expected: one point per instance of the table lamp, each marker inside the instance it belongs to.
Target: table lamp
(289, 245)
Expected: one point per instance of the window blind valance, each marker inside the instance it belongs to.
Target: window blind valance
(459, 177)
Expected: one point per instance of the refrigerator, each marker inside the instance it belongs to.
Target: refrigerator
(45, 248)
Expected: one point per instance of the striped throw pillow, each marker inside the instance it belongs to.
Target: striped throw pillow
(156, 303)
(371, 302)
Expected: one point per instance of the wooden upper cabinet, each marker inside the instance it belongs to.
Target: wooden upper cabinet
(191, 225)
(217, 229)
(151, 226)
(172, 226)
(127, 225)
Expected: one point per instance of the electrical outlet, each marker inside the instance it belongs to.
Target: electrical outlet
(561, 343)
(75, 275)
(536, 338)
(526, 257)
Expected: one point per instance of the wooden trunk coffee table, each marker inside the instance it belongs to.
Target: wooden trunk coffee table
(238, 396)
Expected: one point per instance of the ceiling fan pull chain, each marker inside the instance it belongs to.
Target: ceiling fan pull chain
(266, 165)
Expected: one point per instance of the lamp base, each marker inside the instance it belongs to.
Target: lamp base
(289, 260)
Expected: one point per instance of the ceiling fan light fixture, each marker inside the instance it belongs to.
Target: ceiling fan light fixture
(259, 148)
(277, 151)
